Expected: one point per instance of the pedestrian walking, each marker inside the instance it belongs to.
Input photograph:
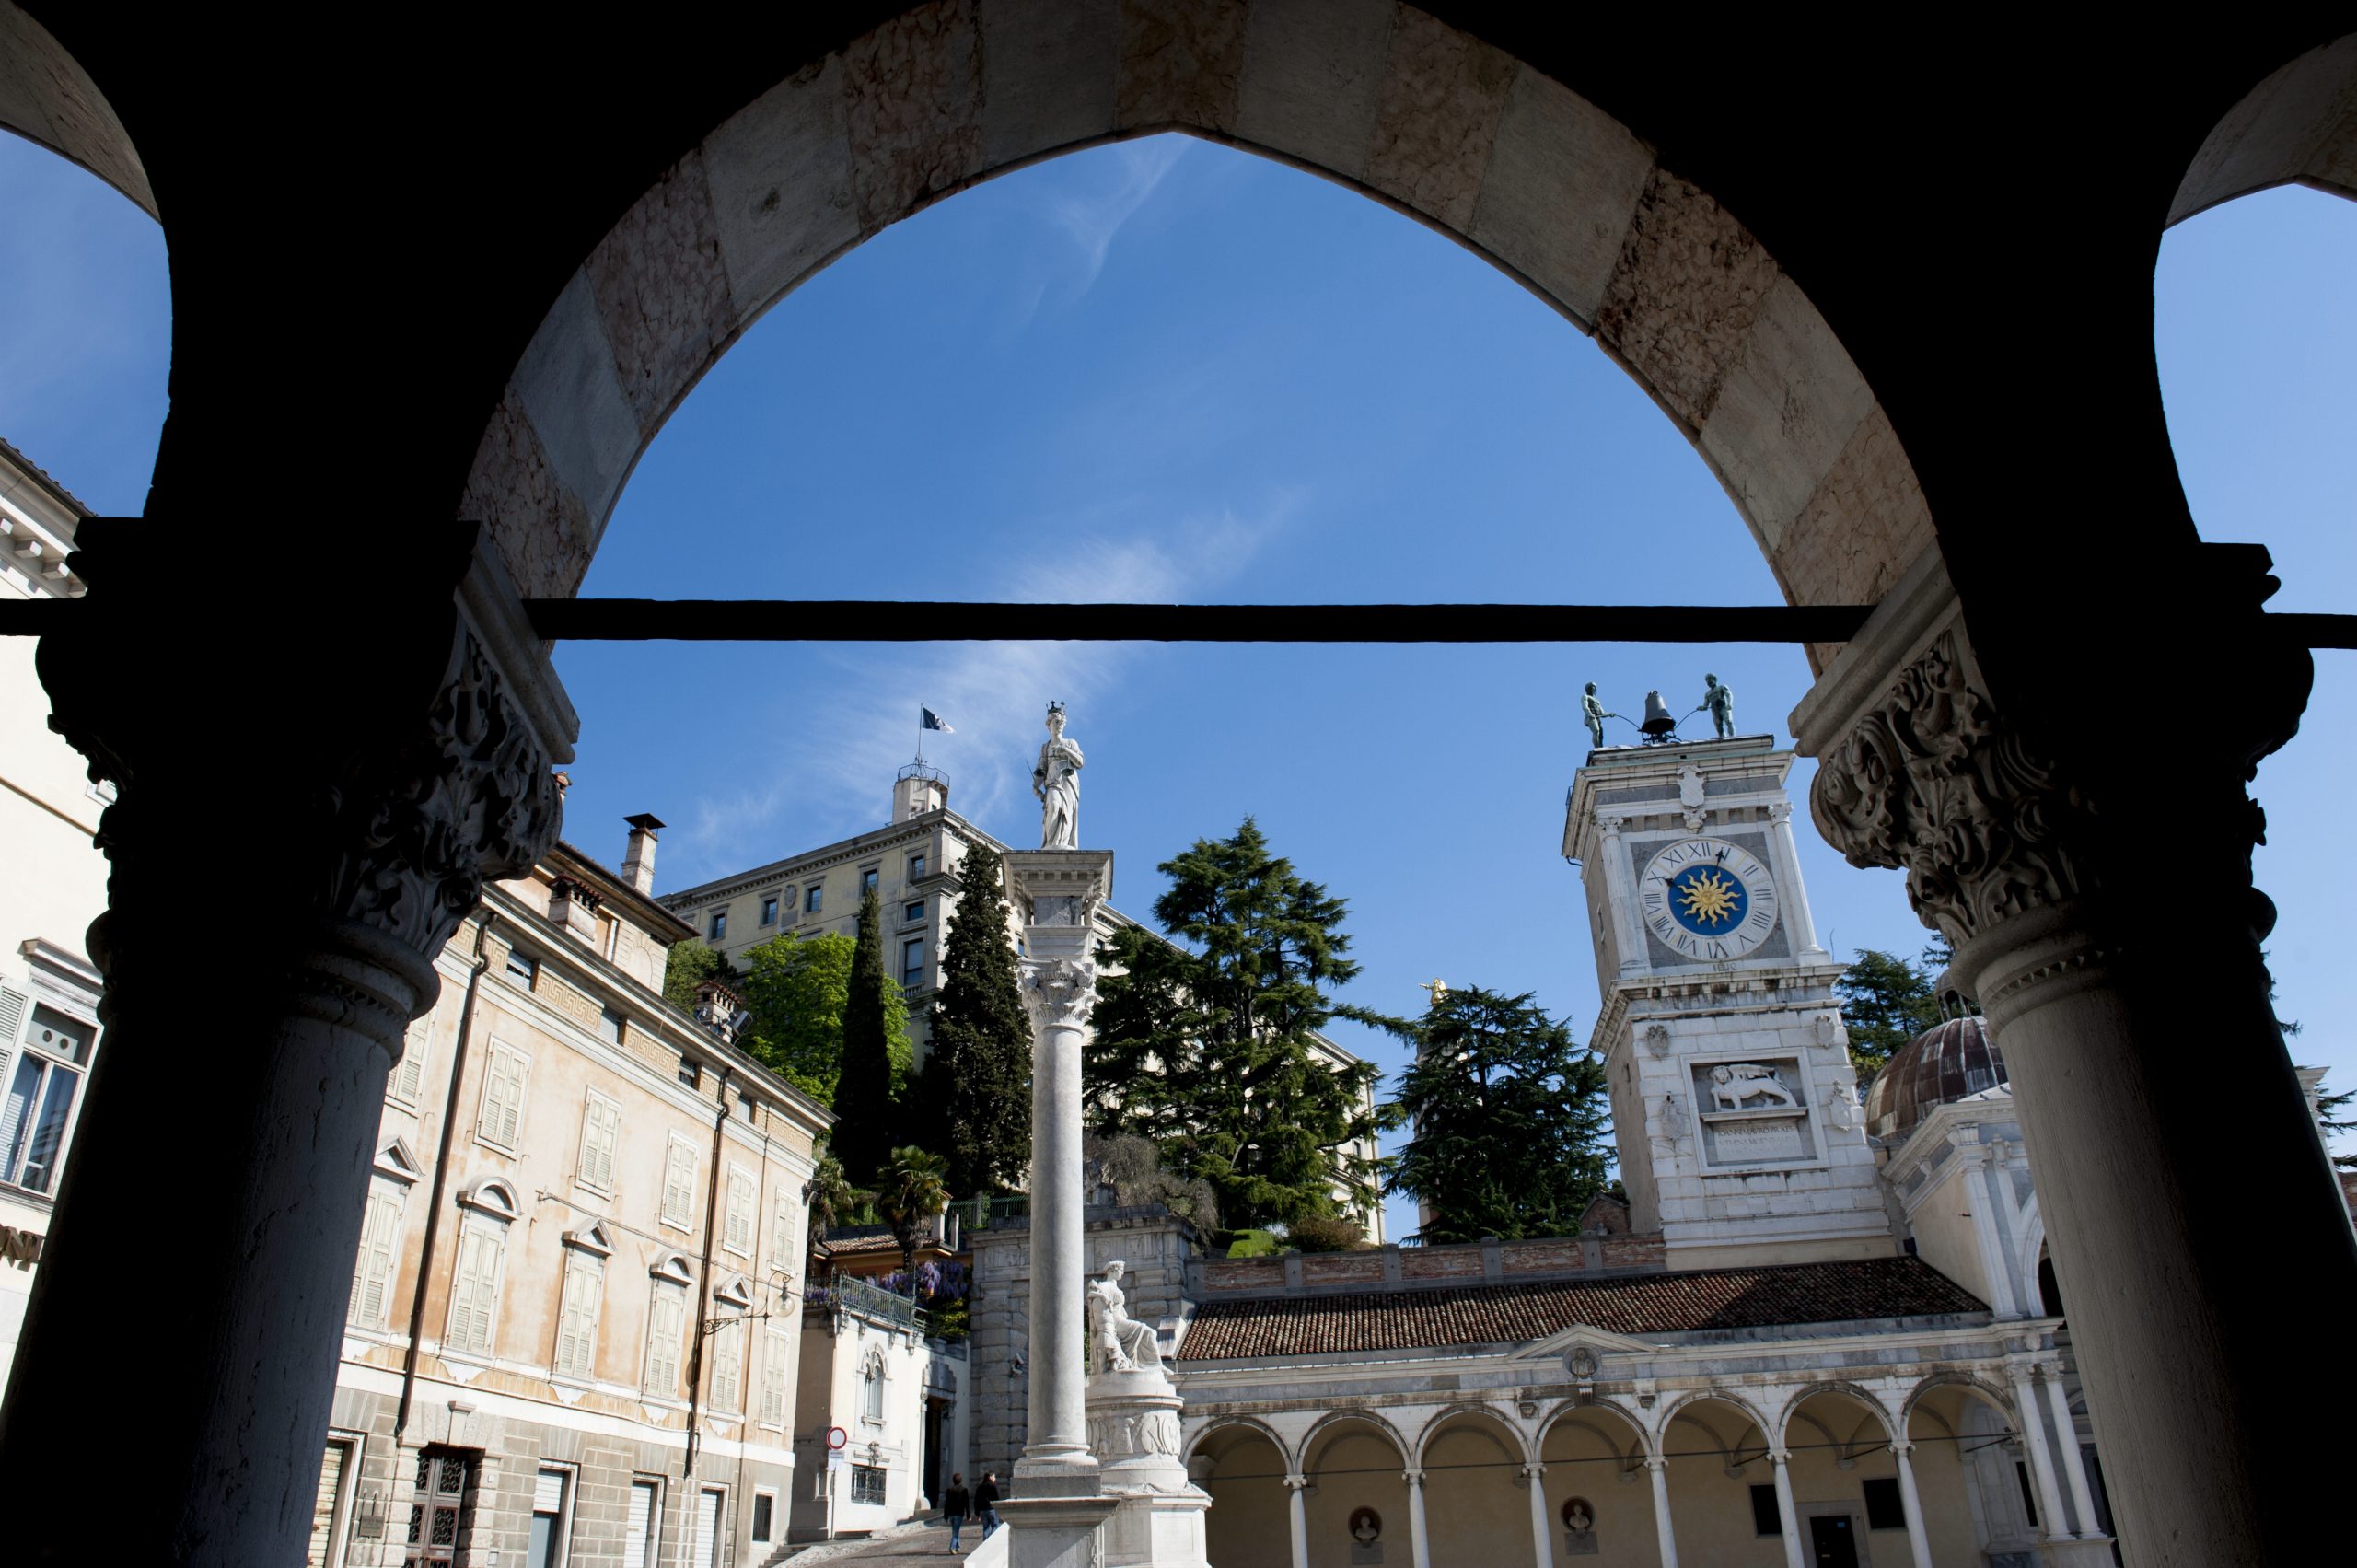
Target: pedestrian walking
(986, 1503)
(957, 1506)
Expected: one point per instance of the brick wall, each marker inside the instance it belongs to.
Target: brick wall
(1452, 1263)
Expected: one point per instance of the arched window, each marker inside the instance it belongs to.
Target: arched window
(871, 1388)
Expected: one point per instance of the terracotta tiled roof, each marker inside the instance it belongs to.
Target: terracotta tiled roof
(1628, 1304)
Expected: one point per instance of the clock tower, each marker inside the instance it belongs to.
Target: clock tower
(1733, 1102)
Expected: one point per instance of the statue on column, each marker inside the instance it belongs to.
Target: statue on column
(1591, 715)
(1117, 1341)
(1056, 781)
(1719, 700)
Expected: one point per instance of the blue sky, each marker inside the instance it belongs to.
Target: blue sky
(1166, 371)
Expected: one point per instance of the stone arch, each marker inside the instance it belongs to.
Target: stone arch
(1510, 1437)
(1633, 1448)
(2296, 127)
(1849, 1391)
(1383, 97)
(1972, 1384)
(1245, 1423)
(1333, 1420)
(49, 100)
(1683, 1405)
(2033, 1253)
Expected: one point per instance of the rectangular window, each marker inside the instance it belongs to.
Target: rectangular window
(42, 1086)
(680, 1182)
(666, 1321)
(500, 1121)
(773, 1369)
(691, 1073)
(577, 1323)
(549, 1490)
(916, 867)
(813, 899)
(380, 1230)
(769, 909)
(737, 1236)
(1885, 1509)
(1765, 1518)
(601, 1135)
(763, 1503)
(868, 1483)
(914, 912)
(913, 963)
(782, 1235)
(522, 967)
(327, 1503)
(609, 1024)
(409, 1076)
(728, 1367)
(720, 926)
(474, 1287)
(709, 1506)
(640, 1533)
(867, 880)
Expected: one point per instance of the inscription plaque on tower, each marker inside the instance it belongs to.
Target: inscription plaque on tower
(1752, 1112)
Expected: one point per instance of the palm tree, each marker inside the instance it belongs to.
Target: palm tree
(912, 1192)
(832, 1198)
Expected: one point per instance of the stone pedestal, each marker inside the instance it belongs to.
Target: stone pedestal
(1059, 892)
(1053, 1532)
(1133, 1431)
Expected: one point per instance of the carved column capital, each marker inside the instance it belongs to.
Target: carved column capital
(1057, 993)
(1932, 782)
(356, 766)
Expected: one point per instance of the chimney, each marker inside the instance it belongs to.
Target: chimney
(638, 860)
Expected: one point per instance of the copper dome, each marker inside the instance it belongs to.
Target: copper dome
(1946, 1062)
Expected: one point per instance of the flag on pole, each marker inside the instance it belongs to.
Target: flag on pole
(933, 721)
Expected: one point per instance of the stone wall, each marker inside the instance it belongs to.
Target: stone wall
(1157, 1245)
(1470, 1262)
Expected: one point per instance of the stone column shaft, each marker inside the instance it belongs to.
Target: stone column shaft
(1791, 888)
(1420, 1546)
(406, 722)
(1787, 1511)
(2041, 1462)
(1298, 1512)
(1919, 1542)
(1542, 1544)
(1664, 1533)
(2074, 1464)
(1619, 884)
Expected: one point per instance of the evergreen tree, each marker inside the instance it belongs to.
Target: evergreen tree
(875, 1053)
(1509, 1120)
(797, 991)
(974, 1096)
(1885, 1001)
(1206, 1049)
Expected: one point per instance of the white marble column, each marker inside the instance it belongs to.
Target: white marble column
(1420, 1546)
(1059, 892)
(1665, 1536)
(1786, 1511)
(1298, 1512)
(2041, 1463)
(1541, 1528)
(1918, 1543)
(1791, 888)
(2074, 1464)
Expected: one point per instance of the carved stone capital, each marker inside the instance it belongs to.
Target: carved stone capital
(356, 765)
(1932, 782)
(1057, 993)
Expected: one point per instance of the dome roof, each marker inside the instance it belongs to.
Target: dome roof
(1946, 1062)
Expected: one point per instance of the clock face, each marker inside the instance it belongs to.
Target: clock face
(1707, 900)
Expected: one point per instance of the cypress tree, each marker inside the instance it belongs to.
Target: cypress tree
(865, 1117)
(976, 1090)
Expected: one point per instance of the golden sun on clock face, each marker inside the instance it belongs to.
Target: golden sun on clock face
(1707, 901)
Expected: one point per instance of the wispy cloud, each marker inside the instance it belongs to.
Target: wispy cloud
(827, 774)
(1094, 213)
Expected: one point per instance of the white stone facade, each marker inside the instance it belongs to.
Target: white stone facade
(900, 1400)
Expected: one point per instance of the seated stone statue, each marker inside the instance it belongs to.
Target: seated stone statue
(1117, 1341)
